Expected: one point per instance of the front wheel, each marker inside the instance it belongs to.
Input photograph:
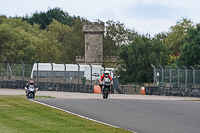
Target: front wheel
(31, 95)
(105, 93)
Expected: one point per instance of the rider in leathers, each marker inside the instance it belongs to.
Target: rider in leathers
(31, 83)
(105, 75)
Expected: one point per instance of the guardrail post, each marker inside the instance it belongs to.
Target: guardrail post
(51, 72)
(154, 74)
(65, 73)
(178, 74)
(37, 70)
(170, 75)
(185, 76)
(162, 73)
(78, 74)
(91, 75)
(7, 65)
(23, 70)
(193, 75)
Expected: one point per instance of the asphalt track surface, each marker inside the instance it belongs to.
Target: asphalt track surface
(141, 116)
(139, 113)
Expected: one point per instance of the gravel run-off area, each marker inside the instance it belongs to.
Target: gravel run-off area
(75, 95)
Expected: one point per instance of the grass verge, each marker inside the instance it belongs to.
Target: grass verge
(19, 115)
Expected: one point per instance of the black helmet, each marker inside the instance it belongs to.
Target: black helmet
(31, 82)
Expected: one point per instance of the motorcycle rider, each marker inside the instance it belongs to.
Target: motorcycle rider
(30, 84)
(105, 75)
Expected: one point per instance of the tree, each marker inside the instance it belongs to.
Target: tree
(63, 43)
(137, 58)
(18, 39)
(48, 48)
(58, 43)
(116, 34)
(190, 54)
(176, 35)
(44, 19)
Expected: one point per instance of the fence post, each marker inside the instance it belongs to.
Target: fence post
(154, 74)
(193, 76)
(185, 76)
(103, 66)
(78, 74)
(170, 75)
(23, 70)
(162, 73)
(65, 73)
(91, 74)
(51, 72)
(37, 70)
(178, 74)
(7, 63)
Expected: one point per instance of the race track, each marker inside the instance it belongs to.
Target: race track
(139, 113)
(142, 116)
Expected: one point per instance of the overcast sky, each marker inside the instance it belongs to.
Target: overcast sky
(145, 16)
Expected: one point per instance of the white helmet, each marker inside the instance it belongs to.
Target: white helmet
(106, 73)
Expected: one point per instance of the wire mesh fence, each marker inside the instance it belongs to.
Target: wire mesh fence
(51, 76)
(54, 73)
(10, 71)
(181, 77)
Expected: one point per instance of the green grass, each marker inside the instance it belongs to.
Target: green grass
(192, 100)
(19, 115)
(44, 97)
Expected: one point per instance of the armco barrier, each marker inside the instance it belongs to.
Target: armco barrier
(172, 91)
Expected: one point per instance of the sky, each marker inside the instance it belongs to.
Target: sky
(144, 16)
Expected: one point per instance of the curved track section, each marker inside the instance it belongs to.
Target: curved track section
(142, 116)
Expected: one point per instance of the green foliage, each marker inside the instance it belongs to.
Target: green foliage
(44, 19)
(176, 35)
(190, 54)
(58, 43)
(116, 34)
(137, 58)
(64, 43)
(16, 38)
(83, 79)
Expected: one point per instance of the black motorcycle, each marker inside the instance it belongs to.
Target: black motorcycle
(106, 84)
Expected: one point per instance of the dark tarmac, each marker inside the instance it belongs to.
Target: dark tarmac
(141, 116)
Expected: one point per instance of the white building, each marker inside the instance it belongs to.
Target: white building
(45, 70)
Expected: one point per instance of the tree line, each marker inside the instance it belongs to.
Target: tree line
(55, 36)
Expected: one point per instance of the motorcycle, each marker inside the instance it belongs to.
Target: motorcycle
(106, 84)
(31, 92)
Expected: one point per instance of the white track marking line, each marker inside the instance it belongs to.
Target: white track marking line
(79, 115)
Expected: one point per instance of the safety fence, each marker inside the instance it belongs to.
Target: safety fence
(175, 81)
(181, 77)
(52, 77)
(53, 73)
